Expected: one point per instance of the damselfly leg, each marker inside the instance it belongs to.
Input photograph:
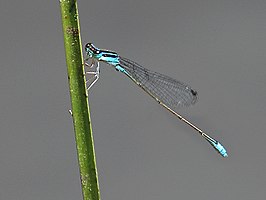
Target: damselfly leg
(96, 73)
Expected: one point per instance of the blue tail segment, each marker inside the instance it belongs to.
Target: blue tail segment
(121, 69)
(219, 148)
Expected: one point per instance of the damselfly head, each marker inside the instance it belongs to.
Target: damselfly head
(91, 49)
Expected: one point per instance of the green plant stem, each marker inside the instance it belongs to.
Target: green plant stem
(79, 100)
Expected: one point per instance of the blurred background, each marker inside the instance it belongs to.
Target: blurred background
(142, 150)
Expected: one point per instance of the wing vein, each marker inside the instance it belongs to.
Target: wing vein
(167, 90)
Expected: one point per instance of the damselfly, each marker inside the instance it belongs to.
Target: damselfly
(168, 92)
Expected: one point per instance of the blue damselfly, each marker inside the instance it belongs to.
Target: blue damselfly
(168, 92)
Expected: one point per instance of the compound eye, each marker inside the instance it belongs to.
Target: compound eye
(88, 45)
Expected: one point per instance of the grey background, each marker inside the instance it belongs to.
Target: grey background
(143, 152)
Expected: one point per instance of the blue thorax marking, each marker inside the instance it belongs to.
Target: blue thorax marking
(110, 57)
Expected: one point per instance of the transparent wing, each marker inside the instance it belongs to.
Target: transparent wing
(167, 90)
